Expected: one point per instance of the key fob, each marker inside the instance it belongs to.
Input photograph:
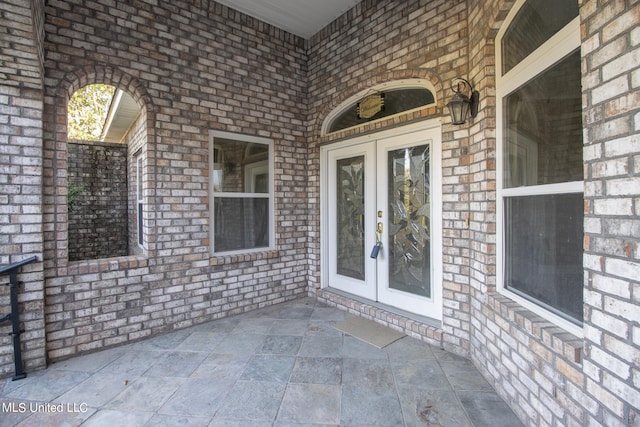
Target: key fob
(376, 250)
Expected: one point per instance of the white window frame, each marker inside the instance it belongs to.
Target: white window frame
(139, 201)
(561, 44)
(213, 135)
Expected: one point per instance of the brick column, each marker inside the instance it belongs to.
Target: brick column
(21, 105)
(611, 81)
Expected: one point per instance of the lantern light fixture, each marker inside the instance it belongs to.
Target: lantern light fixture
(462, 105)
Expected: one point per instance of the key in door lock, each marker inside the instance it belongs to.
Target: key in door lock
(376, 248)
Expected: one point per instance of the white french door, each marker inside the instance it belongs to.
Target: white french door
(351, 201)
(385, 191)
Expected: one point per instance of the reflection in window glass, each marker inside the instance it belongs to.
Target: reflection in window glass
(534, 24)
(544, 242)
(241, 223)
(543, 128)
(540, 199)
(350, 217)
(242, 194)
(395, 101)
(240, 167)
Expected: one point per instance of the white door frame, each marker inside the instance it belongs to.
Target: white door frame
(435, 311)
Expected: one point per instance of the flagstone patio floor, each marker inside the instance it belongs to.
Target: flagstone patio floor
(280, 366)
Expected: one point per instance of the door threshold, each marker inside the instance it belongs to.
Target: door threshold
(415, 325)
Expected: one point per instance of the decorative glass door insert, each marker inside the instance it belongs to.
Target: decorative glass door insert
(385, 193)
(350, 217)
(409, 220)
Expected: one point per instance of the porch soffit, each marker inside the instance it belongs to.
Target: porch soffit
(303, 18)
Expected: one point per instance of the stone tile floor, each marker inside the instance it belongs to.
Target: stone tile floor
(280, 366)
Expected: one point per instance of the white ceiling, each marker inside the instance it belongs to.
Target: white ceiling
(300, 17)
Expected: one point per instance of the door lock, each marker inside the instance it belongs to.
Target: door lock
(379, 228)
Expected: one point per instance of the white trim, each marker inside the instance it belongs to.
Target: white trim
(553, 50)
(559, 321)
(213, 134)
(364, 288)
(535, 190)
(557, 47)
(241, 195)
(388, 86)
(436, 153)
(111, 114)
(139, 201)
(433, 304)
(402, 130)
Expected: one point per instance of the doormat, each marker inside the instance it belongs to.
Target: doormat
(369, 331)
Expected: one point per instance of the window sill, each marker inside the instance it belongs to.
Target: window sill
(553, 337)
(106, 264)
(250, 257)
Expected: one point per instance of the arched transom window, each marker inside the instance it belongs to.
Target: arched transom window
(378, 102)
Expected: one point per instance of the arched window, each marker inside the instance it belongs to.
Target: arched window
(105, 135)
(539, 160)
(379, 102)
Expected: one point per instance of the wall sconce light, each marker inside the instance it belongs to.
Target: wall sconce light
(461, 105)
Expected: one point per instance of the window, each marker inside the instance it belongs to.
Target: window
(540, 166)
(102, 131)
(241, 171)
(381, 101)
(139, 199)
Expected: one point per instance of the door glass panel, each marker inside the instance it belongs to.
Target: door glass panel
(409, 220)
(350, 217)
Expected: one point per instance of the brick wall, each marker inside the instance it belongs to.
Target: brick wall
(534, 365)
(378, 42)
(198, 68)
(21, 170)
(549, 376)
(191, 68)
(611, 91)
(98, 221)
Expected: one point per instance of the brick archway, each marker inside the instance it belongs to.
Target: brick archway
(56, 144)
